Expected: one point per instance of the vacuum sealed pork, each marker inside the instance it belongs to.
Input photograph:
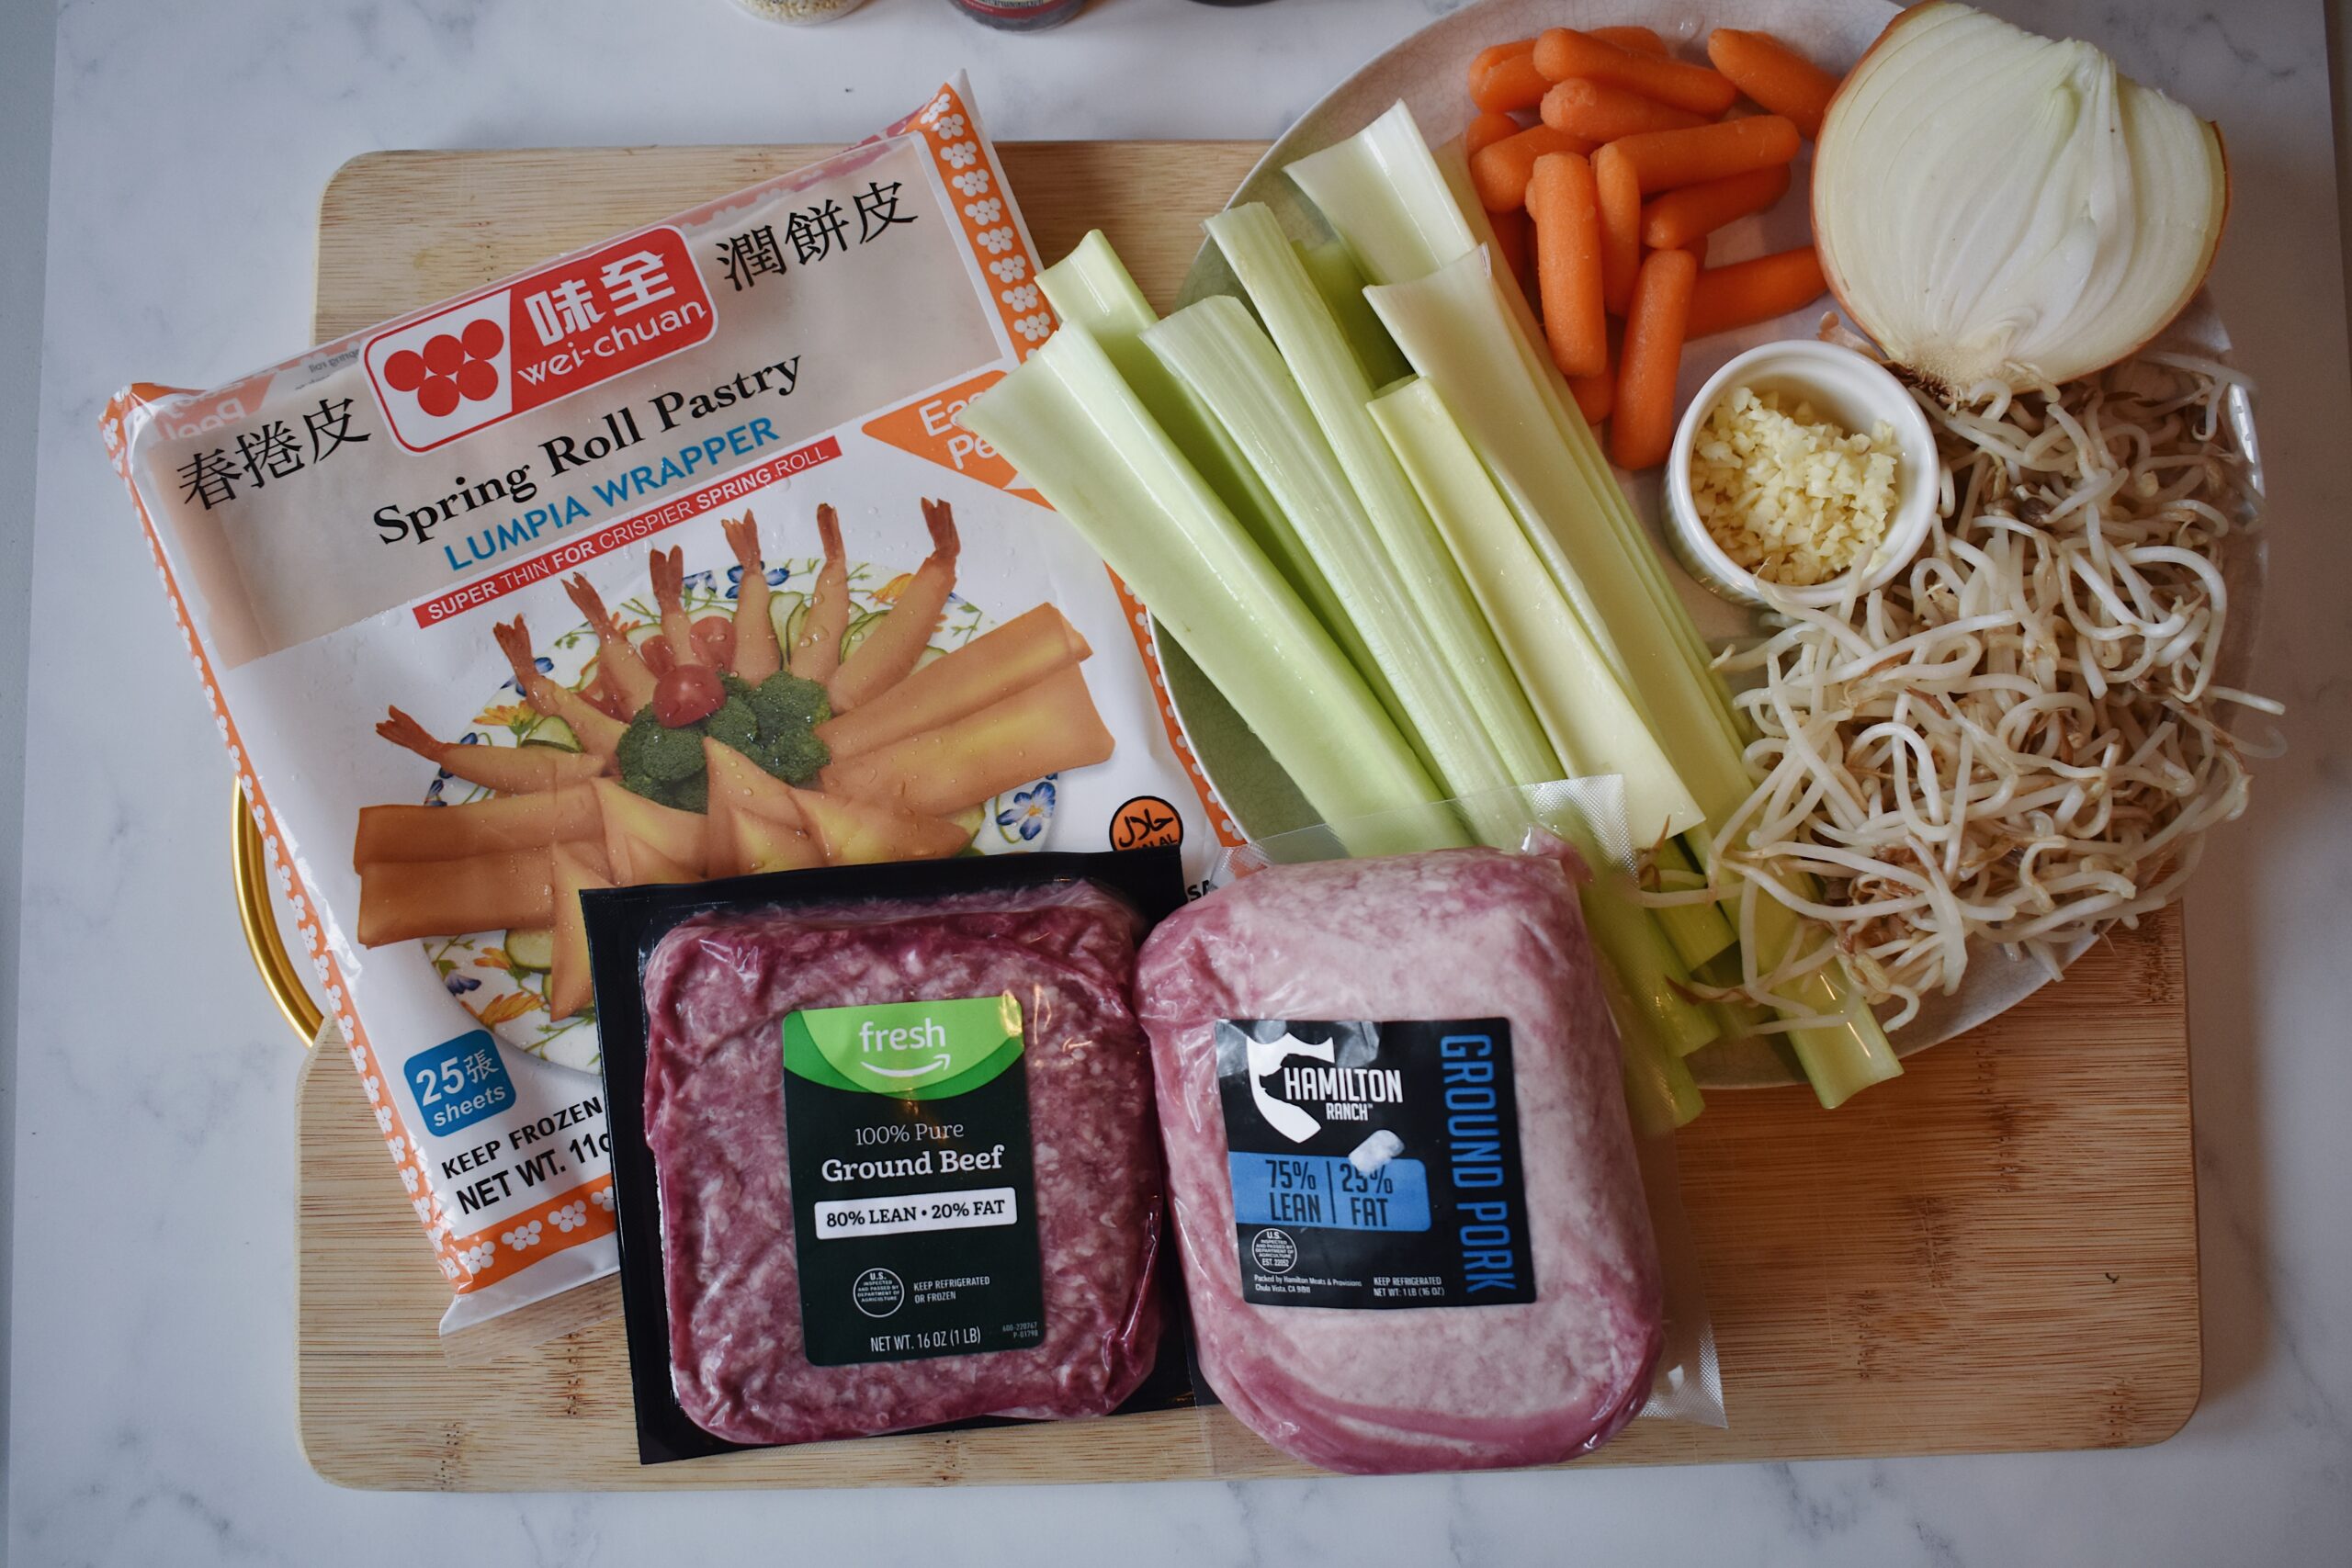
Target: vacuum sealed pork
(897, 1164)
(1412, 1223)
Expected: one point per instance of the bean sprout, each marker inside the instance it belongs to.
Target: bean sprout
(2018, 741)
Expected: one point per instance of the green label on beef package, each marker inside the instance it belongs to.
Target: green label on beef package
(913, 1197)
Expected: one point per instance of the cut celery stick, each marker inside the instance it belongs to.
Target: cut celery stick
(1660, 1093)
(1699, 931)
(1582, 707)
(1454, 326)
(1387, 198)
(1586, 448)
(1470, 716)
(1222, 358)
(1092, 287)
(1342, 285)
(1068, 422)
(1395, 227)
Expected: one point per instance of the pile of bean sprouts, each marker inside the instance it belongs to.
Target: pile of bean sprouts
(2020, 740)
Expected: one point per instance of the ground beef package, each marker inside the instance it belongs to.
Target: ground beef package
(884, 1147)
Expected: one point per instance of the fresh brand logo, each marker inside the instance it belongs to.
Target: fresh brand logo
(921, 1050)
(563, 329)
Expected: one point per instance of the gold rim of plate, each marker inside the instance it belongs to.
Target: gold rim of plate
(249, 865)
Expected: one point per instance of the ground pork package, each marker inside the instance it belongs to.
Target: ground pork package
(884, 1147)
(663, 561)
(1412, 1208)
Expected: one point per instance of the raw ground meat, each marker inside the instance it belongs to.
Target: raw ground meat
(1457, 934)
(717, 989)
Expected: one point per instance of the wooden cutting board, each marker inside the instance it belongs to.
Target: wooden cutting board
(1997, 1251)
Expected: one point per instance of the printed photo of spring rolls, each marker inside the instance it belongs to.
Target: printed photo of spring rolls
(618, 665)
(510, 770)
(645, 840)
(767, 845)
(481, 827)
(570, 988)
(817, 652)
(1044, 728)
(989, 668)
(890, 649)
(402, 900)
(865, 832)
(598, 732)
(741, 788)
(755, 654)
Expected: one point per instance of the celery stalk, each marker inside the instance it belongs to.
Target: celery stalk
(1076, 431)
(1659, 1090)
(1222, 358)
(1093, 288)
(1582, 707)
(1387, 198)
(1453, 325)
(1342, 285)
(1699, 931)
(1407, 218)
(1479, 732)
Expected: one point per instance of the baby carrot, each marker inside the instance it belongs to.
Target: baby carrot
(1501, 170)
(1485, 60)
(1640, 40)
(1774, 76)
(1486, 130)
(1663, 160)
(1595, 395)
(1604, 113)
(1563, 52)
(1511, 82)
(1510, 240)
(1682, 216)
(1748, 292)
(1620, 196)
(1640, 427)
(1566, 209)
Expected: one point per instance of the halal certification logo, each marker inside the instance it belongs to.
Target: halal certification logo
(1274, 1252)
(1144, 820)
(878, 1293)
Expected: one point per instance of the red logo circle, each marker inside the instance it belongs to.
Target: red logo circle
(452, 368)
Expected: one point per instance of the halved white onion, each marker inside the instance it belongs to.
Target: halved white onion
(1993, 205)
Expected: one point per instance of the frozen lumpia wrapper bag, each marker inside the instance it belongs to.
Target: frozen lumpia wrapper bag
(1417, 1230)
(661, 561)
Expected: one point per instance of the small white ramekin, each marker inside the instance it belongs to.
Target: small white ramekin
(1843, 386)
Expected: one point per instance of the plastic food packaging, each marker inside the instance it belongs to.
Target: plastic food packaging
(884, 1148)
(1411, 1204)
(661, 561)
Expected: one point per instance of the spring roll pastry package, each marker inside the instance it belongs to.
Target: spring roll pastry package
(661, 561)
(884, 1148)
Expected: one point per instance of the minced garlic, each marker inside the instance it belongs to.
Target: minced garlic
(1794, 498)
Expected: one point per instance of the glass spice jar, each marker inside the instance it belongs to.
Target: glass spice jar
(1021, 16)
(800, 13)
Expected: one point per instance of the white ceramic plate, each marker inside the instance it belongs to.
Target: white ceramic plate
(1427, 71)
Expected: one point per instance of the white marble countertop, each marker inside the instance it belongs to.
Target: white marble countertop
(153, 1410)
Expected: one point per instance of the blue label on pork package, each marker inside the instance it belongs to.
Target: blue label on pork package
(1375, 1165)
(458, 1082)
